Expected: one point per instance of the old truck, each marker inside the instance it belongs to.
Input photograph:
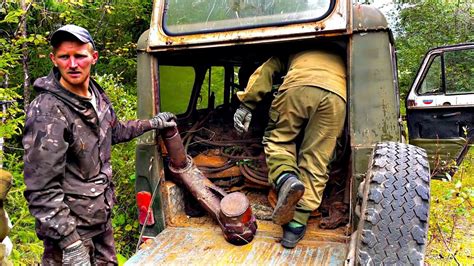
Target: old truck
(198, 54)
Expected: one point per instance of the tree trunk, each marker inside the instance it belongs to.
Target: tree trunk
(24, 46)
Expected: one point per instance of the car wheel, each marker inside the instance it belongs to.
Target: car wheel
(394, 209)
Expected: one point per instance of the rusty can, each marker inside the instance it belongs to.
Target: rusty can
(236, 219)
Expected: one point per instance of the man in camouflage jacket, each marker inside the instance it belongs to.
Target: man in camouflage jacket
(69, 130)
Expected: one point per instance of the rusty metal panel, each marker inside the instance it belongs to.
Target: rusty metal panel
(366, 17)
(190, 246)
(338, 22)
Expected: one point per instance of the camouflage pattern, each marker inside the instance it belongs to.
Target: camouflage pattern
(101, 250)
(68, 174)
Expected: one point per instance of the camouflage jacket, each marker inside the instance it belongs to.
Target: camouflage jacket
(67, 170)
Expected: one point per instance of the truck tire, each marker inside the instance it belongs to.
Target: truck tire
(394, 210)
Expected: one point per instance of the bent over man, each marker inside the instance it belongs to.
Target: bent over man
(306, 118)
(69, 130)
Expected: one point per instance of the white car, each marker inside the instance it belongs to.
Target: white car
(445, 78)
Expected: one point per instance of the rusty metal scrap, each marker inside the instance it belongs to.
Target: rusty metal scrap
(338, 215)
(232, 211)
(238, 164)
(219, 155)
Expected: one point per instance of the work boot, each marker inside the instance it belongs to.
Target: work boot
(290, 190)
(292, 235)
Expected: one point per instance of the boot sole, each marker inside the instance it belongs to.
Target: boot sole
(291, 244)
(286, 205)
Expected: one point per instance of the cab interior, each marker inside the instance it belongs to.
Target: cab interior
(200, 87)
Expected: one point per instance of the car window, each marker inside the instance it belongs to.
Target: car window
(176, 85)
(433, 82)
(221, 15)
(459, 67)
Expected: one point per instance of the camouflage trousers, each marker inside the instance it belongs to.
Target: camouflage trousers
(101, 250)
(301, 135)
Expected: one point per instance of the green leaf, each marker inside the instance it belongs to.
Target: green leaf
(120, 219)
(12, 16)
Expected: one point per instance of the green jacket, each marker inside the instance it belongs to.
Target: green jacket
(308, 68)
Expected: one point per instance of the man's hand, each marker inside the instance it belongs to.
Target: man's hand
(242, 118)
(76, 254)
(163, 120)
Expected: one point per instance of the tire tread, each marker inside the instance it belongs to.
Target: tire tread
(394, 223)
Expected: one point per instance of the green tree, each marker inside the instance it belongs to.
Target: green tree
(428, 24)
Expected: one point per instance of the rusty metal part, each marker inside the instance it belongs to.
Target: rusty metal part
(175, 148)
(212, 164)
(250, 184)
(226, 143)
(217, 162)
(228, 183)
(239, 224)
(240, 157)
(232, 171)
(210, 158)
(253, 176)
(338, 216)
(188, 136)
(210, 170)
(237, 230)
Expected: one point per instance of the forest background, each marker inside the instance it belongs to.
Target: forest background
(25, 27)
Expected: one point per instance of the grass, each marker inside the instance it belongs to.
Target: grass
(451, 232)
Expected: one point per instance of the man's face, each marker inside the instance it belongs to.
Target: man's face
(74, 61)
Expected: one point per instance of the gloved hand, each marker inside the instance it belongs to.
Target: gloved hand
(242, 118)
(76, 255)
(163, 120)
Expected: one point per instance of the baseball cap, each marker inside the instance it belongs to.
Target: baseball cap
(78, 32)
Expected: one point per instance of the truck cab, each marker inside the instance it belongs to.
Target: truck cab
(192, 61)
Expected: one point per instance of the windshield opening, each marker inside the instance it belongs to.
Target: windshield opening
(198, 16)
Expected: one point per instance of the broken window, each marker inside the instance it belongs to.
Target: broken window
(193, 16)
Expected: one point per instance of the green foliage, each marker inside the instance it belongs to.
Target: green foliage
(451, 217)
(27, 248)
(428, 24)
(114, 25)
(11, 120)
